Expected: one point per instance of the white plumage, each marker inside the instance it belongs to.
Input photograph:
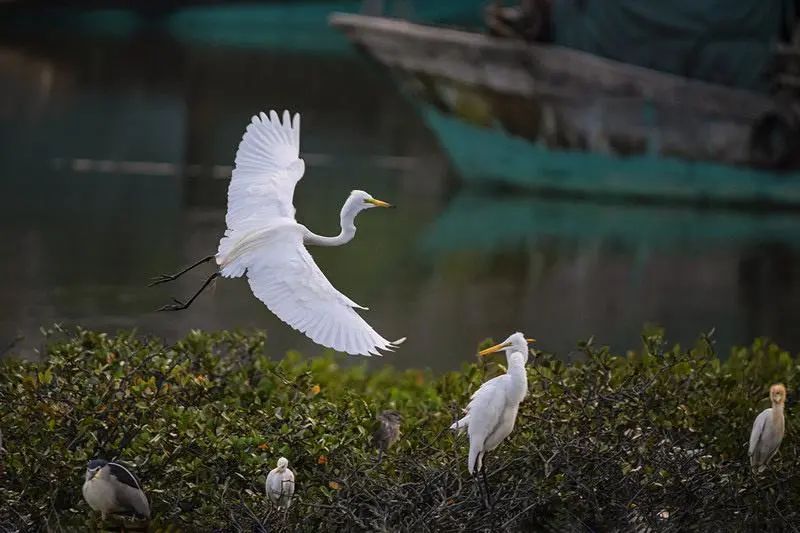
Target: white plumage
(280, 484)
(492, 411)
(768, 429)
(264, 240)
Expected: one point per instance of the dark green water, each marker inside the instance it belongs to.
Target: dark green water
(114, 157)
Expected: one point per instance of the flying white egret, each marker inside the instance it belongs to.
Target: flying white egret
(280, 484)
(264, 240)
(768, 429)
(492, 411)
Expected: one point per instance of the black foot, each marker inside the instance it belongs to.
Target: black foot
(161, 278)
(177, 306)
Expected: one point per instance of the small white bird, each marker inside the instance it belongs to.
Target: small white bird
(280, 484)
(492, 412)
(265, 242)
(768, 429)
(112, 488)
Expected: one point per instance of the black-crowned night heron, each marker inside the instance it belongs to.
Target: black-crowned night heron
(280, 484)
(768, 429)
(387, 431)
(112, 488)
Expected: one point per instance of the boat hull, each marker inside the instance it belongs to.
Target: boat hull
(492, 156)
(547, 117)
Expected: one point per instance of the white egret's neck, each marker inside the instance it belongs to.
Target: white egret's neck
(519, 377)
(347, 221)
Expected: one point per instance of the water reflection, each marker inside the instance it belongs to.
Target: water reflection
(113, 155)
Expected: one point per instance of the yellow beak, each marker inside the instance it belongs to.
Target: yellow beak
(378, 203)
(493, 349)
(498, 347)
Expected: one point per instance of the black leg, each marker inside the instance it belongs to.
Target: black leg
(489, 503)
(380, 454)
(179, 306)
(163, 278)
(476, 477)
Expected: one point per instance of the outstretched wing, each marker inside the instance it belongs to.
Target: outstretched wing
(267, 169)
(284, 276)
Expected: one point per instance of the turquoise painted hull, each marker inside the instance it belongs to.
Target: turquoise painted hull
(492, 156)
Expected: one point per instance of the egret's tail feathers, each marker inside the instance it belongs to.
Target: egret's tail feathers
(398, 342)
(461, 425)
(235, 248)
(228, 268)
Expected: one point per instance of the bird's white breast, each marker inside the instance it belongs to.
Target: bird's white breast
(99, 494)
(280, 487)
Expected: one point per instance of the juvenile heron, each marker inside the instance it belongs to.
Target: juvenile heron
(265, 242)
(112, 488)
(387, 431)
(768, 429)
(492, 412)
(280, 484)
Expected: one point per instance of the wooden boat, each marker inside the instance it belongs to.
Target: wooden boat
(546, 117)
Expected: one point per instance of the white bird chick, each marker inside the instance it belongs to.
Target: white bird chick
(280, 484)
(112, 488)
(492, 412)
(768, 429)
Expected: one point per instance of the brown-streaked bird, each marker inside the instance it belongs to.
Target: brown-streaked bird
(768, 429)
(387, 431)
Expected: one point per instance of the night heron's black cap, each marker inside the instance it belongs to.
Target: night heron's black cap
(96, 463)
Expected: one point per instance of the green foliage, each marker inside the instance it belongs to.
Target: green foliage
(606, 443)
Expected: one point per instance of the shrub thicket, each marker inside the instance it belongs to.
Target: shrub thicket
(652, 439)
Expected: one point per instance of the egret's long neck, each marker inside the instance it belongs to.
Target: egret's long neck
(777, 412)
(348, 231)
(519, 378)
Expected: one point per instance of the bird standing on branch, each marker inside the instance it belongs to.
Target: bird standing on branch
(492, 412)
(387, 431)
(768, 429)
(280, 484)
(264, 241)
(112, 488)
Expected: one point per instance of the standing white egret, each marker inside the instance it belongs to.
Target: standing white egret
(768, 429)
(265, 241)
(492, 411)
(280, 484)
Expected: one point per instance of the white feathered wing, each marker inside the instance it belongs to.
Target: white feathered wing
(484, 415)
(264, 240)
